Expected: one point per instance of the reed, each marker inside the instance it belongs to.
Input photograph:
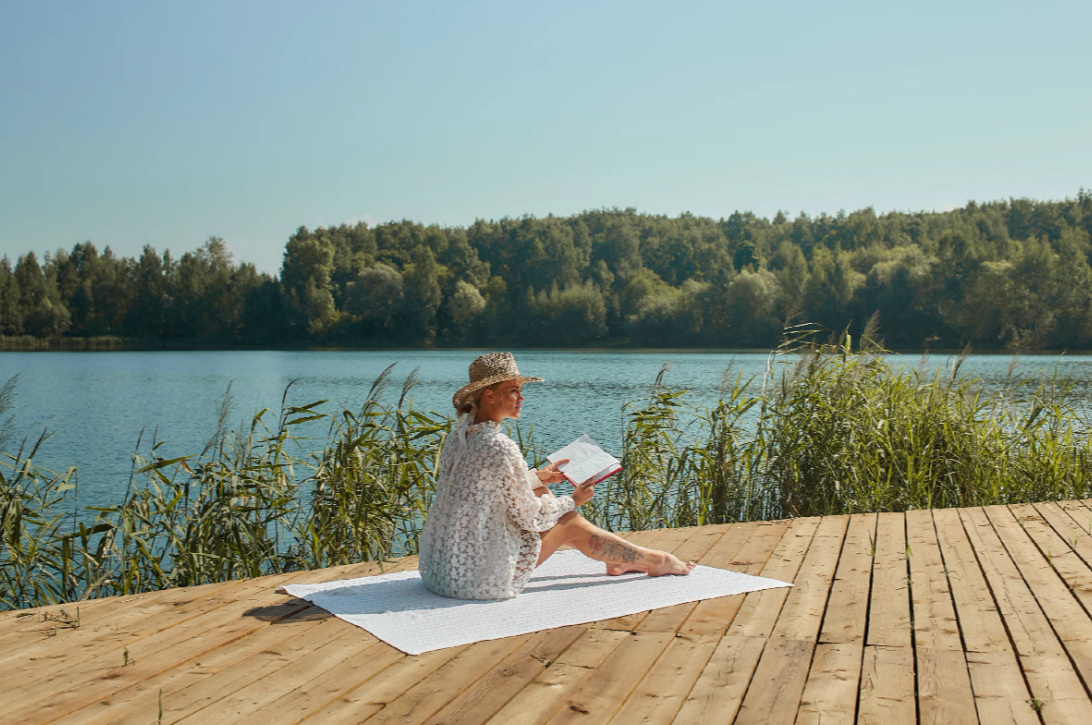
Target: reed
(827, 429)
(832, 430)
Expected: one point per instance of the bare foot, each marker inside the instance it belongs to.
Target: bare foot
(616, 569)
(671, 565)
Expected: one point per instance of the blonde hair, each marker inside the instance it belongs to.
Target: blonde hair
(469, 404)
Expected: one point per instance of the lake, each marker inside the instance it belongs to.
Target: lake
(97, 403)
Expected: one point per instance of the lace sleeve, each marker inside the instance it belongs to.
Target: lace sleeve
(528, 511)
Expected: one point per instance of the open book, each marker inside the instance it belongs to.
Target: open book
(587, 462)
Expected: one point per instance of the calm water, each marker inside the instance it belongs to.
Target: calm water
(97, 404)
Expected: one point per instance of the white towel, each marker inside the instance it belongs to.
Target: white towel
(569, 588)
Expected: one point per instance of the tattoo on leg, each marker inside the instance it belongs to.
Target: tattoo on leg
(614, 550)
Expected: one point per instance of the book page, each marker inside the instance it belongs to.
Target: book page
(586, 460)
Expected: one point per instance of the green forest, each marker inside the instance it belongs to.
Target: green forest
(1012, 273)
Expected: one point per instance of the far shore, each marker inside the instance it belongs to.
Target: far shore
(27, 343)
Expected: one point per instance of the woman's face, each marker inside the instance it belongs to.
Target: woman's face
(506, 400)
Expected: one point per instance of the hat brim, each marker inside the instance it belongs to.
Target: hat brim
(460, 395)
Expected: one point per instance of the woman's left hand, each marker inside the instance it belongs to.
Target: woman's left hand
(551, 473)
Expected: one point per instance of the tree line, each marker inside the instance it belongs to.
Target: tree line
(1012, 273)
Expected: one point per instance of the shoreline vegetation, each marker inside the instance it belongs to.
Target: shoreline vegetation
(1013, 274)
(28, 343)
(826, 429)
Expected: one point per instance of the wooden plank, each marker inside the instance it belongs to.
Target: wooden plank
(672, 539)
(368, 698)
(1054, 684)
(935, 625)
(659, 695)
(547, 692)
(1000, 693)
(718, 692)
(1067, 528)
(745, 548)
(125, 622)
(1066, 615)
(185, 611)
(889, 611)
(1028, 628)
(598, 697)
(830, 695)
(1060, 554)
(19, 633)
(498, 686)
(151, 611)
(944, 679)
(98, 672)
(538, 701)
(592, 648)
(779, 680)
(92, 610)
(701, 541)
(979, 620)
(760, 610)
(1051, 677)
(306, 697)
(772, 550)
(297, 669)
(425, 698)
(806, 601)
(944, 687)
(222, 670)
(1080, 513)
(846, 616)
(887, 687)
(61, 692)
(216, 674)
(887, 674)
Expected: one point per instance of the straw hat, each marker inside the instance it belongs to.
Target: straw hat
(490, 369)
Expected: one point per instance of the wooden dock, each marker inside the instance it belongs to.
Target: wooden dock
(948, 616)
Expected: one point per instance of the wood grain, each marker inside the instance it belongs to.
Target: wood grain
(946, 616)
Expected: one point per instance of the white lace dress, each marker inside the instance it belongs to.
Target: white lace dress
(481, 538)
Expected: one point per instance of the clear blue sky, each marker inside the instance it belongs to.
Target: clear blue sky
(163, 123)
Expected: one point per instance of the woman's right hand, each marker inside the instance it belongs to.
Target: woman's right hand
(583, 493)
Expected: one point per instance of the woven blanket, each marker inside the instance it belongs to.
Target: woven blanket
(569, 588)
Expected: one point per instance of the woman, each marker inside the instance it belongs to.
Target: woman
(493, 520)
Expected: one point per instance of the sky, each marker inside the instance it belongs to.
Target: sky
(134, 123)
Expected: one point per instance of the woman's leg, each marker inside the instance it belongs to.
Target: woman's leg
(619, 555)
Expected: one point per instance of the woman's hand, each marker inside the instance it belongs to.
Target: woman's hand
(551, 473)
(583, 493)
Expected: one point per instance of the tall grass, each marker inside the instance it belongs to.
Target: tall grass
(832, 430)
(253, 502)
(826, 429)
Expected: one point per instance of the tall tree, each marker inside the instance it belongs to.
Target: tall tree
(306, 274)
(422, 296)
